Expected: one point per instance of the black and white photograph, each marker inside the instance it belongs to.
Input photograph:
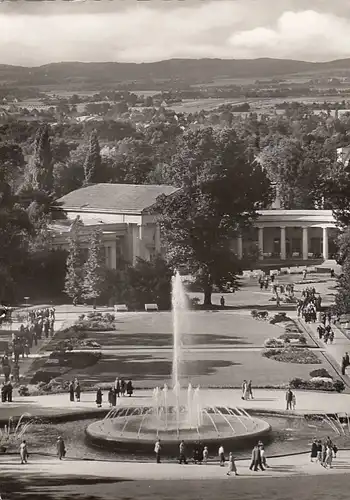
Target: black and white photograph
(174, 249)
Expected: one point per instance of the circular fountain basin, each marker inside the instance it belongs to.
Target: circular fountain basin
(142, 430)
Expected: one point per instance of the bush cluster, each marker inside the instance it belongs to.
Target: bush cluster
(292, 354)
(280, 318)
(317, 385)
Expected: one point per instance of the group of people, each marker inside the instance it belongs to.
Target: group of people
(345, 362)
(325, 333)
(323, 453)
(60, 450)
(247, 390)
(74, 391)
(309, 304)
(201, 455)
(41, 322)
(291, 400)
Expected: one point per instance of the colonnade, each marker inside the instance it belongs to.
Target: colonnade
(283, 243)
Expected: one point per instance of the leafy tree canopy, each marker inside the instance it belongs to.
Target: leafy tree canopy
(220, 193)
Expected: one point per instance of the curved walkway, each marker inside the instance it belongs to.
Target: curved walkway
(279, 467)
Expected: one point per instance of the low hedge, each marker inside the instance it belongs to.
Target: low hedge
(314, 385)
(320, 372)
(280, 318)
(289, 337)
(292, 354)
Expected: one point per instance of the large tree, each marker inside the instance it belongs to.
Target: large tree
(220, 193)
(92, 164)
(94, 268)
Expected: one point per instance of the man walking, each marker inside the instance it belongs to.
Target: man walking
(157, 449)
(182, 449)
(289, 399)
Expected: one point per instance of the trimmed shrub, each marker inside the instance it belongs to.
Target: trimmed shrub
(339, 386)
(292, 327)
(292, 354)
(274, 342)
(318, 385)
(320, 372)
(296, 337)
(44, 376)
(23, 390)
(280, 318)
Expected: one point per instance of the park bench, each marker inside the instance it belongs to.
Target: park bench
(121, 308)
(151, 307)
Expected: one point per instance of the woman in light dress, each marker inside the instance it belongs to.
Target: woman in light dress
(23, 451)
(231, 465)
(329, 457)
(245, 390)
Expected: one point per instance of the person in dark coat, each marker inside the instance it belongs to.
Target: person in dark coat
(77, 391)
(289, 399)
(129, 388)
(71, 391)
(122, 387)
(256, 459)
(313, 450)
(110, 396)
(182, 450)
(4, 393)
(9, 391)
(99, 398)
(61, 449)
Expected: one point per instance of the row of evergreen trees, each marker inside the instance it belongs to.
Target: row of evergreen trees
(85, 279)
(39, 174)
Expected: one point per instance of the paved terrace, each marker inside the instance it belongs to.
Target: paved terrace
(270, 401)
(279, 467)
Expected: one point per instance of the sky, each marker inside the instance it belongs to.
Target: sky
(35, 33)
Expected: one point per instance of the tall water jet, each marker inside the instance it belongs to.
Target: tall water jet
(179, 310)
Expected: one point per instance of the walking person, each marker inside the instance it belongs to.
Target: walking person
(129, 389)
(117, 387)
(289, 399)
(182, 449)
(262, 455)
(205, 454)
(250, 390)
(329, 457)
(77, 391)
(319, 452)
(313, 451)
(23, 451)
(99, 398)
(244, 389)
(221, 454)
(71, 391)
(222, 301)
(122, 387)
(231, 465)
(61, 448)
(256, 459)
(294, 401)
(157, 450)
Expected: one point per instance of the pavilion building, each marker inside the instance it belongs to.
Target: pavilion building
(124, 214)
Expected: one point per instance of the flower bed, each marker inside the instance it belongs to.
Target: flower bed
(280, 318)
(292, 355)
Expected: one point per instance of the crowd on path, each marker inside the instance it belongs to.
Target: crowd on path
(39, 322)
(60, 450)
(120, 389)
(323, 453)
(258, 457)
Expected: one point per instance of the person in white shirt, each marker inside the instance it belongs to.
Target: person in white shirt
(23, 451)
(221, 454)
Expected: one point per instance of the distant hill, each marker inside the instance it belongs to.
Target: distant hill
(199, 70)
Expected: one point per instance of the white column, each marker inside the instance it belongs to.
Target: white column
(113, 263)
(305, 243)
(240, 247)
(261, 242)
(107, 256)
(325, 243)
(157, 241)
(283, 243)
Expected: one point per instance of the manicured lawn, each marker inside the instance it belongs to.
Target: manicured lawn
(207, 369)
(65, 488)
(200, 328)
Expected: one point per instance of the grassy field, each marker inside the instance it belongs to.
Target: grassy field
(65, 488)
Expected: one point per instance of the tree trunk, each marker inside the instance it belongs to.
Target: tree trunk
(208, 290)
